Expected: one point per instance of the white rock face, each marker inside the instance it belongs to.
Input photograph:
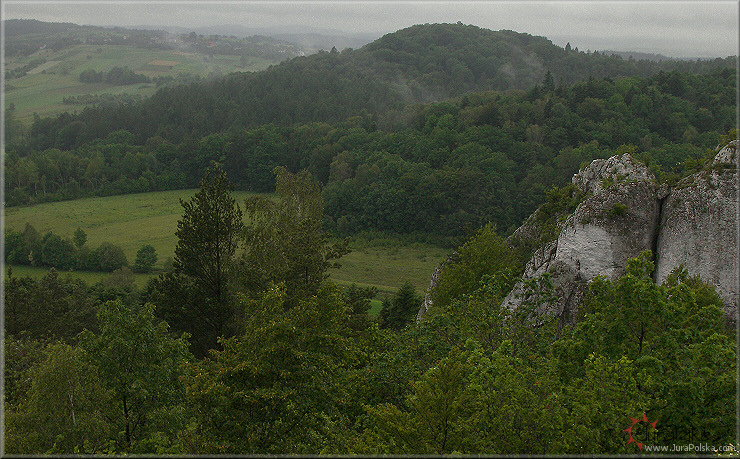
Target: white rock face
(587, 248)
(728, 155)
(615, 224)
(428, 294)
(615, 169)
(699, 231)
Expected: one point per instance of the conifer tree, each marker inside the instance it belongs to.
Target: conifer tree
(402, 309)
(196, 296)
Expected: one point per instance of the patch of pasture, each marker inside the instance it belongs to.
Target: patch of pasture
(131, 221)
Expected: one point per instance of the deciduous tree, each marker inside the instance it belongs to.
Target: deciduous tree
(285, 241)
(146, 257)
(141, 363)
(66, 410)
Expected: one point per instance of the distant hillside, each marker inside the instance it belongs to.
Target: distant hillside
(424, 63)
(24, 37)
(312, 39)
(15, 27)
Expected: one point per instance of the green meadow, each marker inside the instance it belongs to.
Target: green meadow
(133, 220)
(44, 87)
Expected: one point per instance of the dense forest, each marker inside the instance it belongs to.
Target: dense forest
(483, 156)
(443, 133)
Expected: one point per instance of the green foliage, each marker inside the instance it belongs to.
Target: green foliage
(485, 254)
(57, 252)
(358, 304)
(22, 354)
(66, 410)
(443, 168)
(401, 309)
(27, 248)
(146, 257)
(295, 365)
(318, 377)
(110, 257)
(665, 333)
(559, 202)
(79, 238)
(49, 308)
(285, 241)
(432, 422)
(208, 235)
(121, 278)
(182, 304)
(471, 403)
(508, 378)
(141, 364)
(618, 210)
(276, 385)
(116, 75)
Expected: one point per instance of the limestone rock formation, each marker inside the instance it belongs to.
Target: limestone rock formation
(614, 223)
(625, 212)
(695, 224)
(427, 303)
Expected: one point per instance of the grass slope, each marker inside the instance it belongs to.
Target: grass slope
(43, 88)
(131, 221)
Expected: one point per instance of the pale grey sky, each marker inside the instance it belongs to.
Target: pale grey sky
(676, 28)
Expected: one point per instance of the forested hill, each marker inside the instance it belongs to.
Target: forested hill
(14, 27)
(423, 63)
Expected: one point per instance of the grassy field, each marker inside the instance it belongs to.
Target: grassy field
(131, 221)
(128, 221)
(89, 278)
(44, 87)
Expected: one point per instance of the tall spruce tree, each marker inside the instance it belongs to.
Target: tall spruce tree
(196, 296)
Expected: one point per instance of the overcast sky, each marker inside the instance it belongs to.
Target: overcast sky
(674, 28)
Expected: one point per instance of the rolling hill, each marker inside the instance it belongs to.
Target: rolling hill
(420, 64)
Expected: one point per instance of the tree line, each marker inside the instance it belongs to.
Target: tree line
(29, 248)
(421, 64)
(116, 76)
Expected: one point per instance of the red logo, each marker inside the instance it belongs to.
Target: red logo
(634, 423)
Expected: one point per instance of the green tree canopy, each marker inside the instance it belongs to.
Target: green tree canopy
(285, 241)
(146, 257)
(401, 309)
(80, 237)
(208, 236)
(280, 385)
(141, 364)
(196, 297)
(67, 410)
